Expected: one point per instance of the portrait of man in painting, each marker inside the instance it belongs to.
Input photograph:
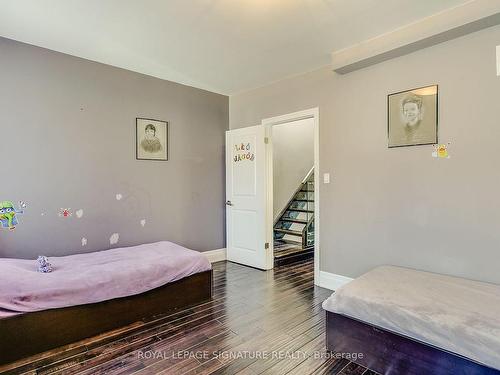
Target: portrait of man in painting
(151, 139)
(413, 117)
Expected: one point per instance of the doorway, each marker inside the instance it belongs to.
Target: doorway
(293, 194)
(293, 191)
(250, 214)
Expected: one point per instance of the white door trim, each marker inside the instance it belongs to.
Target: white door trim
(268, 123)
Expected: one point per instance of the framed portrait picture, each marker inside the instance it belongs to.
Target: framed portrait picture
(413, 117)
(151, 139)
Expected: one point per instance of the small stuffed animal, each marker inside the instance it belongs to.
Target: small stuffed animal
(43, 264)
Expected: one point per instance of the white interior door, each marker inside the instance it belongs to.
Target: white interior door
(246, 197)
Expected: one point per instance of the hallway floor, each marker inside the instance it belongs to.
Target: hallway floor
(287, 252)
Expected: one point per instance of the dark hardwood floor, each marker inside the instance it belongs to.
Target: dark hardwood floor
(286, 253)
(276, 315)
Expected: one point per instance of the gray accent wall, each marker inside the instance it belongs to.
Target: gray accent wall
(68, 141)
(402, 206)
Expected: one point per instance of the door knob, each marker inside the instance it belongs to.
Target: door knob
(229, 203)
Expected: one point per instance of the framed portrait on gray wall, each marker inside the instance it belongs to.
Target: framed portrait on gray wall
(413, 117)
(151, 139)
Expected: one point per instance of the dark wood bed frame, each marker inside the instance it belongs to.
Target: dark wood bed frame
(24, 335)
(389, 353)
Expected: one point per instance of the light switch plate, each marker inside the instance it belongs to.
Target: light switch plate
(498, 60)
(326, 178)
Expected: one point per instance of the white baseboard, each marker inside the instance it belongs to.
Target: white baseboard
(218, 255)
(332, 281)
(327, 280)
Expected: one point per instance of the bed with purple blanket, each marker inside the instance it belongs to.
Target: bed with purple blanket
(89, 294)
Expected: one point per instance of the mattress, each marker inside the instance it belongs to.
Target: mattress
(458, 315)
(94, 277)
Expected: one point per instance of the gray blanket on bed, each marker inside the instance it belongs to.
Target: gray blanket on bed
(458, 315)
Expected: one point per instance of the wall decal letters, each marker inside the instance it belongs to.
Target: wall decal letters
(243, 152)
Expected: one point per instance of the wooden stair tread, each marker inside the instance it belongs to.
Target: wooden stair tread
(292, 220)
(286, 241)
(288, 231)
(299, 210)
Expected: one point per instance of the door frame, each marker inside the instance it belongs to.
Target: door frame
(312, 113)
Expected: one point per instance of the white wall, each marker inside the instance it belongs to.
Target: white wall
(402, 206)
(293, 158)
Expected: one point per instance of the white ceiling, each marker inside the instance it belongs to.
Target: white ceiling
(225, 46)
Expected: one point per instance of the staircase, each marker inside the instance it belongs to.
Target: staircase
(294, 228)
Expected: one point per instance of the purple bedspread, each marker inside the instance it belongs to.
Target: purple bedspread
(94, 277)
